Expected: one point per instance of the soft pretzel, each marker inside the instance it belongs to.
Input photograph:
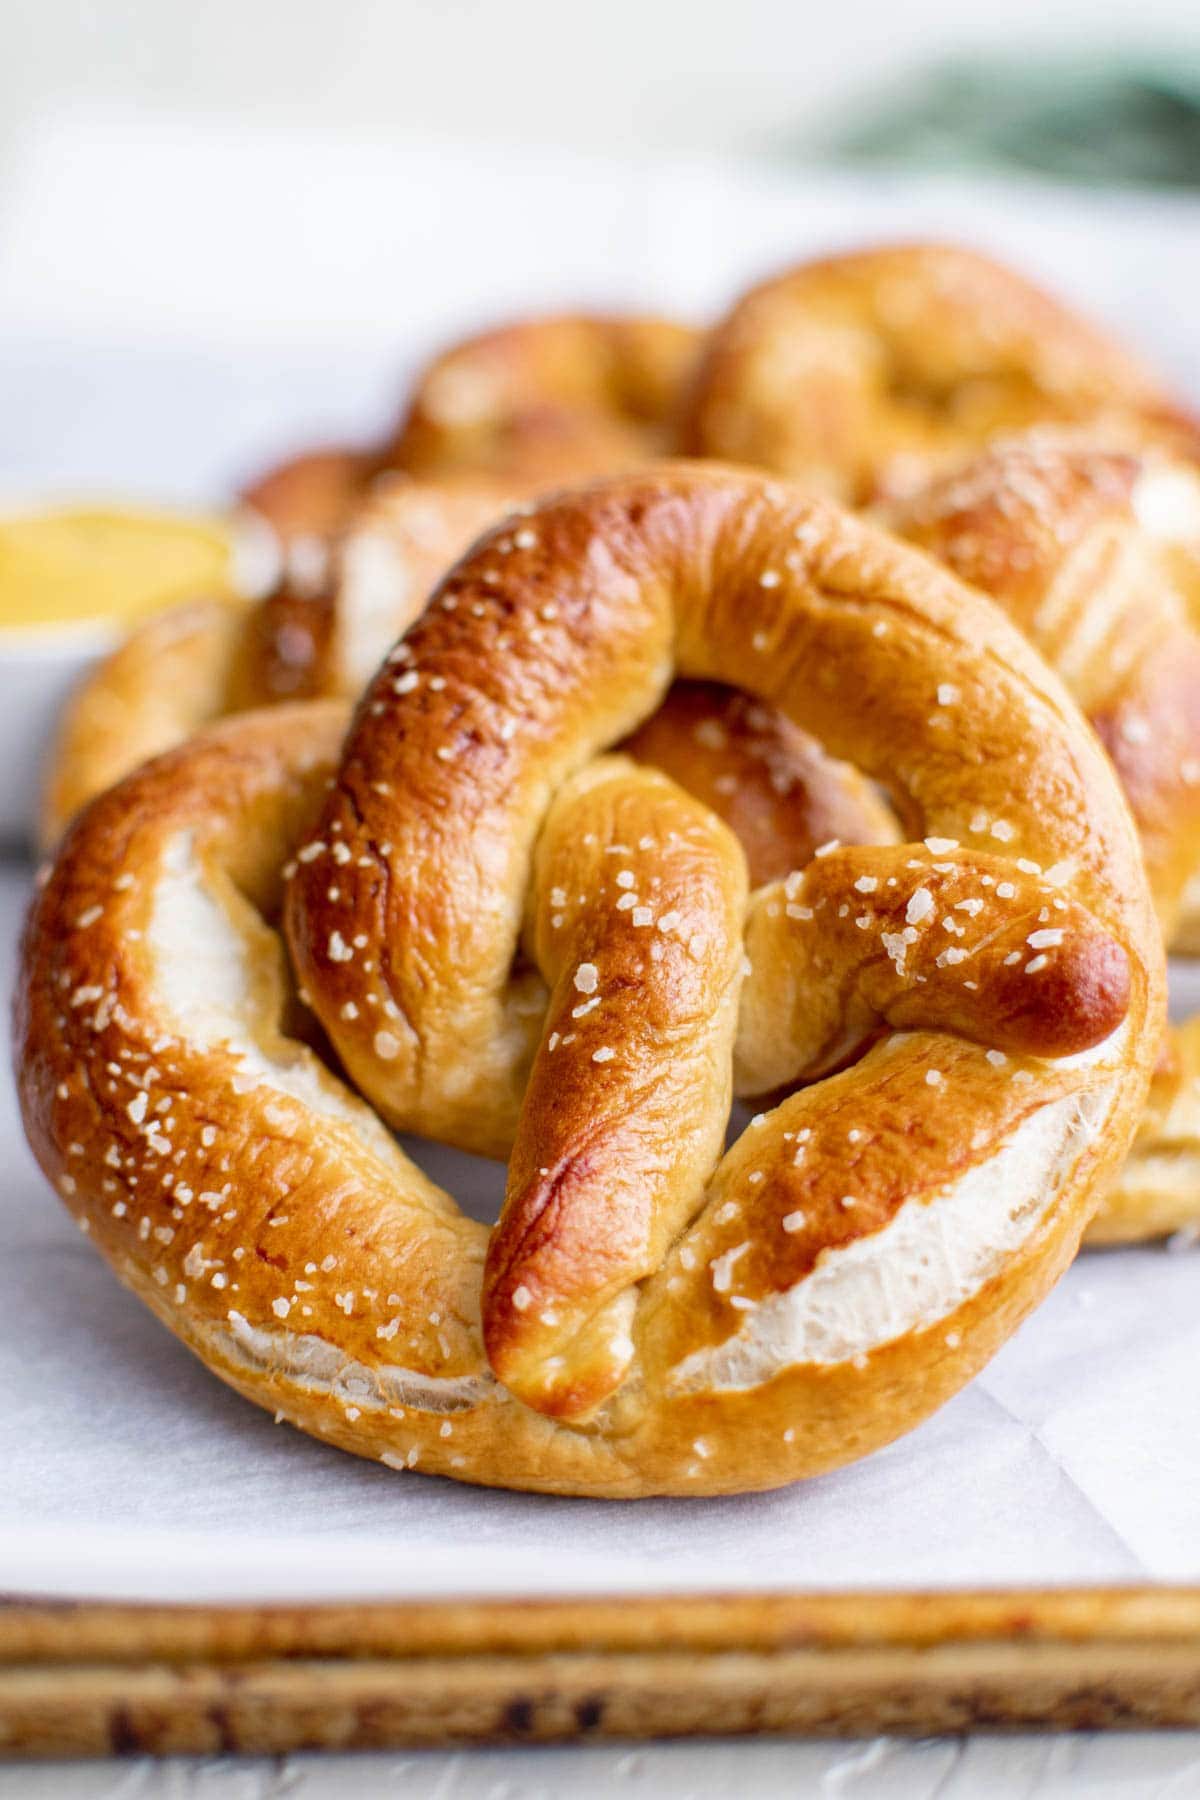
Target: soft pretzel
(1157, 1192)
(548, 400)
(324, 630)
(782, 794)
(164, 681)
(519, 943)
(309, 497)
(1167, 501)
(863, 373)
(1071, 541)
(1075, 541)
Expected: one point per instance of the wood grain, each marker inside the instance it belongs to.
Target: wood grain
(98, 1680)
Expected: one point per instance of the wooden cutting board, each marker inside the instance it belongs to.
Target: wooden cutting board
(78, 1678)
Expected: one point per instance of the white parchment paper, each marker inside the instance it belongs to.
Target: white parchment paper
(125, 1468)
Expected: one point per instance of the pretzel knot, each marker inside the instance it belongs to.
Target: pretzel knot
(520, 944)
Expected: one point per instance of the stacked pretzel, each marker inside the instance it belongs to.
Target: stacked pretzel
(515, 899)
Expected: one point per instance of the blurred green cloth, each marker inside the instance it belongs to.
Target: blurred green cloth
(1102, 123)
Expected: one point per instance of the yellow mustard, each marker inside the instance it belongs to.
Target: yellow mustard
(82, 563)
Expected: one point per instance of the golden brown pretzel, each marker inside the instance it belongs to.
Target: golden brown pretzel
(1071, 541)
(168, 678)
(312, 494)
(323, 631)
(781, 794)
(1057, 531)
(517, 942)
(863, 373)
(1157, 1192)
(549, 400)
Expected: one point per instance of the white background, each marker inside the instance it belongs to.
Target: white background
(216, 236)
(623, 75)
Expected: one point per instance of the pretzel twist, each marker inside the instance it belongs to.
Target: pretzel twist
(515, 940)
(864, 373)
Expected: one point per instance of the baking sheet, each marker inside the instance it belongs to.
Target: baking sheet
(133, 361)
(127, 1470)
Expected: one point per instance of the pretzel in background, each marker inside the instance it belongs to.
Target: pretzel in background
(865, 373)
(1073, 542)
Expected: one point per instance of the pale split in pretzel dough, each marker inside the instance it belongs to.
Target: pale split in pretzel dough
(650, 1315)
(933, 1256)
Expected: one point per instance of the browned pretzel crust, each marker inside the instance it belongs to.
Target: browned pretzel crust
(549, 400)
(516, 941)
(167, 679)
(325, 629)
(1073, 542)
(311, 495)
(862, 374)
(777, 789)
(1058, 532)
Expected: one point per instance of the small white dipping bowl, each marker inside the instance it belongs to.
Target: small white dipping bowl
(41, 663)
